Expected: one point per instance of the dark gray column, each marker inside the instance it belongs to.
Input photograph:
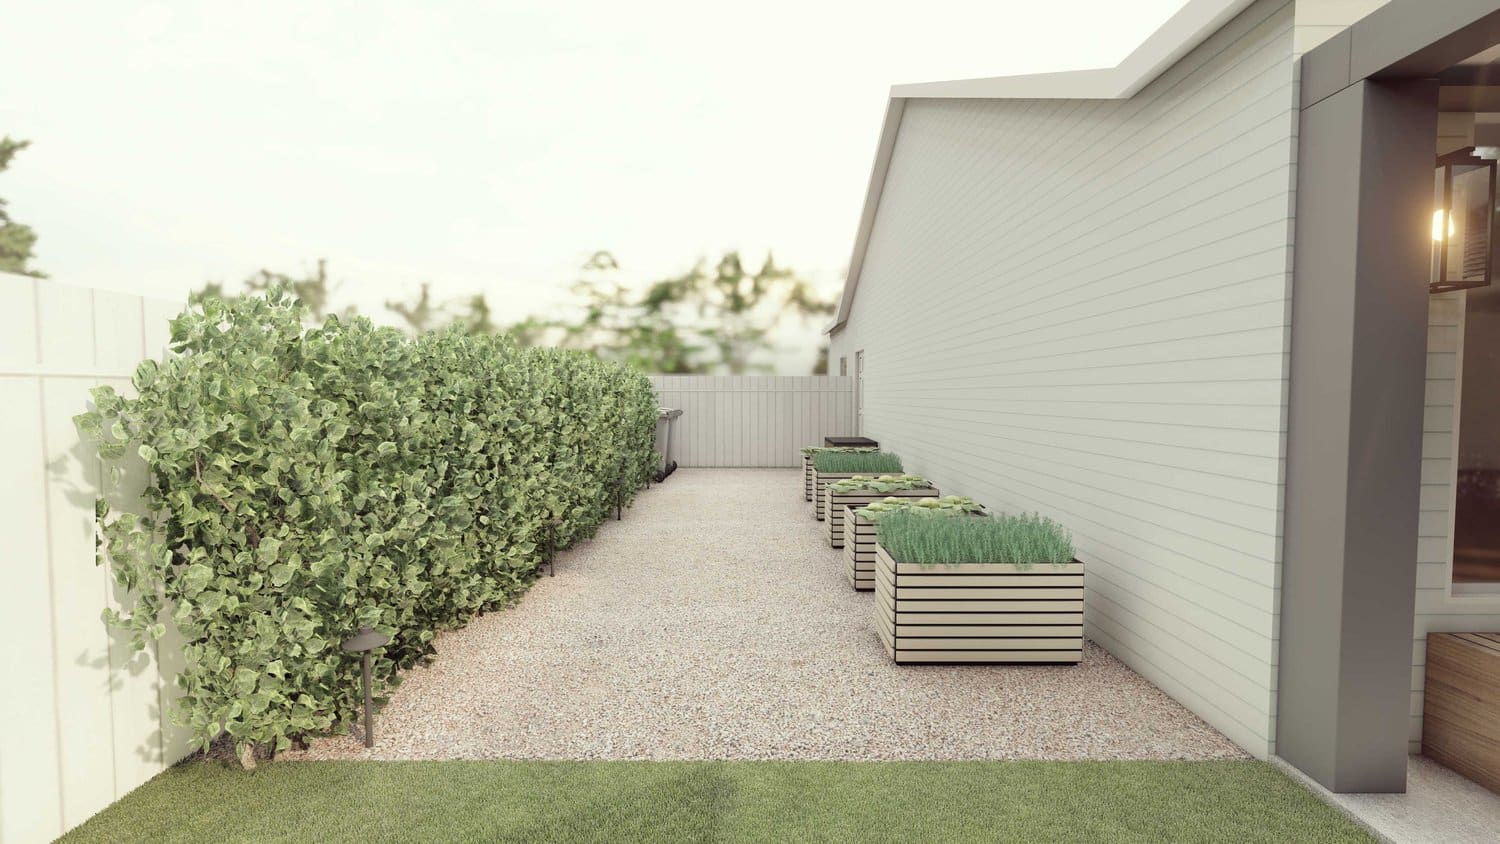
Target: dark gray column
(1358, 363)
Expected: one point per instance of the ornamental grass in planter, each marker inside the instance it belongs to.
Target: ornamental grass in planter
(807, 462)
(859, 530)
(829, 466)
(988, 590)
(867, 489)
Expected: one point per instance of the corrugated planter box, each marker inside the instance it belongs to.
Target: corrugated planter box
(859, 550)
(821, 480)
(979, 612)
(835, 502)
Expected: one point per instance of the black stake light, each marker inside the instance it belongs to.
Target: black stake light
(362, 643)
(552, 526)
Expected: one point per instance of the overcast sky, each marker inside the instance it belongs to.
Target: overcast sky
(479, 146)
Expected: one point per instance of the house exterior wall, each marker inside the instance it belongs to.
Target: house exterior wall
(1080, 308)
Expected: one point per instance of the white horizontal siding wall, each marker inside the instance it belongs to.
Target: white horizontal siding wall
(81, 712)
(753, 420)
(1081, 308)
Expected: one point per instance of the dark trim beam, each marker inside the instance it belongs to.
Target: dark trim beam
(1401, 40)
(1358, 360)
(1469, 98)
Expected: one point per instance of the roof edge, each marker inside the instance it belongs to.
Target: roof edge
(894, 108)
(1183, 31)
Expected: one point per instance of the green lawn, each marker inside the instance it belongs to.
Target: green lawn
(722, 801)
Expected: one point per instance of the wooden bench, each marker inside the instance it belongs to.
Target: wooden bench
(1461, 705)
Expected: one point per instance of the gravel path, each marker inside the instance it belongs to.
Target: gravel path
(695, 631)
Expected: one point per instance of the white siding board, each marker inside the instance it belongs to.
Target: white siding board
(1231, 597)
(1228, 669)
(1081, 309)
(1153, 165)
(1245, 466)
(1201, 695)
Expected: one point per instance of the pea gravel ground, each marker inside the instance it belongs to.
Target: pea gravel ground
(715, 622)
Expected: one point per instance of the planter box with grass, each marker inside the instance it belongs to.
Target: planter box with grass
(864, 489)
(989, 590)
(807, 462)
(859, 530)
(830, 466)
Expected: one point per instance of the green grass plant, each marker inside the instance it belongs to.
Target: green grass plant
(857, 462)
(913, 536)
(880, 483)
(810, 450)
(1122, 802)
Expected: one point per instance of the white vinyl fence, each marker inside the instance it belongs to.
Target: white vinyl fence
(754, 420)
(81, 713)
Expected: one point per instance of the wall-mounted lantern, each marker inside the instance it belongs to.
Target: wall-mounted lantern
(1463, 224)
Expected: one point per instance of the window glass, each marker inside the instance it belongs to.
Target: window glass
(1476, 516)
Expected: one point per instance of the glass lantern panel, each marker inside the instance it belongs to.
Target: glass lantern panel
(1439, 225)
(1468, 226)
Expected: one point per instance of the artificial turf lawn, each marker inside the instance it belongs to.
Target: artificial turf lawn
(722, 801)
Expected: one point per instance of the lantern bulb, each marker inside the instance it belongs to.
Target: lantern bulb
(1437, 226)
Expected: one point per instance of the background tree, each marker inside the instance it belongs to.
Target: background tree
(424, 313)
(315, 290)
(16, 240)
(711, 319)
(420, 314)
(718, 320)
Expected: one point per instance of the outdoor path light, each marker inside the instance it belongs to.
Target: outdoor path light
(552, 526)
(362, 643)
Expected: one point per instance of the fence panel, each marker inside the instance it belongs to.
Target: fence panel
(754, 420)
(83, 713)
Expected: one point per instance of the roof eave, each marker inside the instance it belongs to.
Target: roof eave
(1186, 29)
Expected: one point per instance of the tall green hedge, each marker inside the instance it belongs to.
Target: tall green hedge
(306, 482)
